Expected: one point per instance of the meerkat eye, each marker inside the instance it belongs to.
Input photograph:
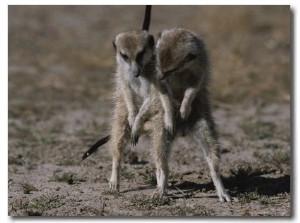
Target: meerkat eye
(190, 57)
(140, 56)
(124, 56)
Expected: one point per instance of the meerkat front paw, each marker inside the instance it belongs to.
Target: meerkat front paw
(169, 126)
(135, 134)
(185, 112)
(134, 139)
(181, 125)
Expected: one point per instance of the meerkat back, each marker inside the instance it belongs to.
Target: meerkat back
(182, 53)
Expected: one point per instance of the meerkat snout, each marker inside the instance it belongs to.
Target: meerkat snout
(135, 69)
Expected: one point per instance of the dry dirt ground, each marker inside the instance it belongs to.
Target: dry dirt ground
(61, 67)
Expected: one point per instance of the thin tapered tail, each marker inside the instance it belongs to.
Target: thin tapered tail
(147, 18)
(94, 147)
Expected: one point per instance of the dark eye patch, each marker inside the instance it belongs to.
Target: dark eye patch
(140, 56)
(190, 57)
(124, 56)
(171, 71)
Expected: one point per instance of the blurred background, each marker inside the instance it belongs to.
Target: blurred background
(66, 52)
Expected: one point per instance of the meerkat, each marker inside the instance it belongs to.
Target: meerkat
(138, 108)
(100, 142)
(183, 65)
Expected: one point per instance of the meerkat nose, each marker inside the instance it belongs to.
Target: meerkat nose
(137, 73)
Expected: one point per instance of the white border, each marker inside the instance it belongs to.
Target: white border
(4, 95)
(153, 2)
(4, 111)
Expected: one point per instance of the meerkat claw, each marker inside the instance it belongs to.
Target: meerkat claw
(134, 139)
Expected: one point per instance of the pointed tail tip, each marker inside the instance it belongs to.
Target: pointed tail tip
(85, 156)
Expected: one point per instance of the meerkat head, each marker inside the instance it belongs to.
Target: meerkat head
(134, 49)
(176, 50)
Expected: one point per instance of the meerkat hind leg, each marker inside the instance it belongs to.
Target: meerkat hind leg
(203, 133)
(119, 137)
(161, 150)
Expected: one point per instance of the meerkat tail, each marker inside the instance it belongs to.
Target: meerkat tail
(146, 128)
(94, 147)
(147, 18)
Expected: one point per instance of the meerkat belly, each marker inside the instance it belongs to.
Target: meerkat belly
(141, 89)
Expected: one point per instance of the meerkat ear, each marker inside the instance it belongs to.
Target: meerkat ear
(151, 41)
(114, 44)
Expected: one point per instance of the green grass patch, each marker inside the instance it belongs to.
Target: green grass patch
(248, 197)
(127, 175)
(190, 211)
(38, 205)
(145, 202)
(241, 174)
(149, 178)
(27, 187)
(279, 159)
(258, 129)
(15, 161)
(271, 145)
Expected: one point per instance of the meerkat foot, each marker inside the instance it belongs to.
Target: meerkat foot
(158, 193)
(114, 186)
(225, 197)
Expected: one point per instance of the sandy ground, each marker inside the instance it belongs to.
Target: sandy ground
(61, 67)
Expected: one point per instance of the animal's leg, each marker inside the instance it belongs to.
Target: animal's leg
(160, 151)
(204, 133)
(119, 138)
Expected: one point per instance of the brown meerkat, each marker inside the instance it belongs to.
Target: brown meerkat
(183, 65)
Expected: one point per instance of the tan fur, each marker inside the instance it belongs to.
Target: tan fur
(138, 108)
(182, 64)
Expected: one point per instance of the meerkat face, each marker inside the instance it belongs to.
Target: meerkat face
(134, 49)
(176, 51)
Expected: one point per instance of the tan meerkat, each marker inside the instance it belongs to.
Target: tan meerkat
(137, 102)
(138, 108)
(183, 64)
(143, 112)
